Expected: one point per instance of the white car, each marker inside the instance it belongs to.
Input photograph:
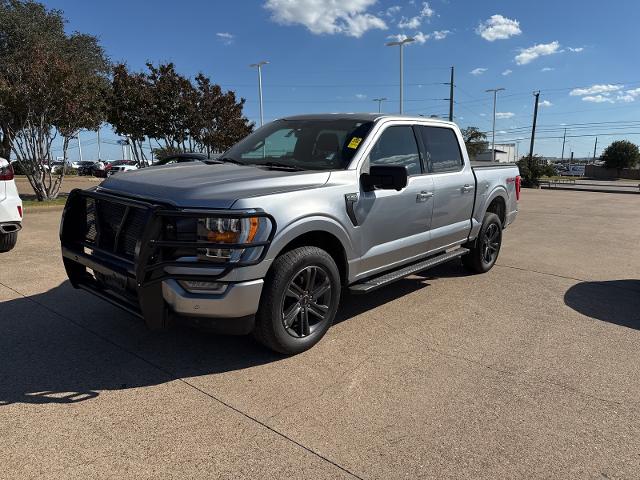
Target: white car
(121, 166)
(10, 208)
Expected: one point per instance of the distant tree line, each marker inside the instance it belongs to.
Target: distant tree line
(54, 84)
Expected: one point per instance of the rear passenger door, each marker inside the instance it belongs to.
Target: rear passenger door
(394, 226)
(454, 186)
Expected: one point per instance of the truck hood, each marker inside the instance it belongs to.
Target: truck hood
(200, 185)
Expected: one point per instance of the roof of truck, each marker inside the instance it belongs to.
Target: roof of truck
(365, 117)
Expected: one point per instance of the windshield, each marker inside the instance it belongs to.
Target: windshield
(302, 144)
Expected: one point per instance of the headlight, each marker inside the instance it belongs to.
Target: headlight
(232, 231)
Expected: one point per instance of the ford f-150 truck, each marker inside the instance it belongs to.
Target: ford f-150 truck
(265, 238)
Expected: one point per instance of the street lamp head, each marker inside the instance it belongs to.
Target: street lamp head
(491, 90)
(259, 64)
(400, 42)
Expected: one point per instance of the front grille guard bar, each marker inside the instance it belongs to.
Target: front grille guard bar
(146, 269)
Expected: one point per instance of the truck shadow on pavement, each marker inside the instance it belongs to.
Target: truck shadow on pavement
(64, 346)
(616, 301)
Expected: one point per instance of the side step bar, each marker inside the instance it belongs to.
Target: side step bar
(386, 278)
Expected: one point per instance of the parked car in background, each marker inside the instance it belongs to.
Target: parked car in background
(265, 238)
(86, 167)
(10, 208)
(119, 166)
(182, 158)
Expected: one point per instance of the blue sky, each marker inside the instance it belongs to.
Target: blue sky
(331, 56)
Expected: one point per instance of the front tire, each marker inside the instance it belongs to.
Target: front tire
(299, 300)
(485, 249)
(8, 241)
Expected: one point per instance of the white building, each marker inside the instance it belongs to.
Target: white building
(505, 153)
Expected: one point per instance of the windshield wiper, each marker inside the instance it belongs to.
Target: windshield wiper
(220, 160)
(278, 165)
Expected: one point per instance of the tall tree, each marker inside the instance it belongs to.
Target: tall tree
(178, 114)
(220, 123)
(475, 140)
(621, 154)
(51, 83)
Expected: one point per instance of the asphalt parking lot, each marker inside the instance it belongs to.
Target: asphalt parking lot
(529, 371)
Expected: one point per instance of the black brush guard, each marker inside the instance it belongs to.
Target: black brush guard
(133, 280)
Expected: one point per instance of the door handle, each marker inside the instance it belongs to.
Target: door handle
(424, 196)
(467, 188)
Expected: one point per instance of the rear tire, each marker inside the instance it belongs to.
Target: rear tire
(486, 247)
(299, 300)
(8, 241)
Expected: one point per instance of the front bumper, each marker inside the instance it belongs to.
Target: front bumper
(131, 269)
(238, 300)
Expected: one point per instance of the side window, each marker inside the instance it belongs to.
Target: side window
(397, 146)
(442, 149)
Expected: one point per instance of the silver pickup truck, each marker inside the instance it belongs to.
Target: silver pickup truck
(265, 238)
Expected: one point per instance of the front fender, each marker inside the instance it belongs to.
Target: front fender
(307, 224)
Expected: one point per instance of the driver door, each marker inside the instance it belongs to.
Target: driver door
(394, 226)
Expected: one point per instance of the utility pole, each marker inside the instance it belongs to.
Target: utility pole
(594, 149)
(259, 67)
(533, 129)
(150, 149)
(564, 138)
(451, 97)
(401, 44)
(380, 100)
(493, 134)
(79, 145)
(98, 135)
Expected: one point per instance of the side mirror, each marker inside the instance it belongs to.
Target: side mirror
(384, 177)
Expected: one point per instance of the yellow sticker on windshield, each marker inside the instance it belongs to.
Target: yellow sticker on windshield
(355, 141)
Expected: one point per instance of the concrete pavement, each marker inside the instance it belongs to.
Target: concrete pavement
(528, 371)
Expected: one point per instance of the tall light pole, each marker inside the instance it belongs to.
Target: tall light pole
(380, 100)
(79, 145)
(493, 134)
(259, 67)
(401, 44)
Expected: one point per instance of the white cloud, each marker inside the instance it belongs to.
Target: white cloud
(421, 37)
(604, 93)
(426, 11)
(507, 72)
(415, 22)
(226, 37)
(498, 27)
(595, 89)
(629, 96)
(546, 103)
(483, 114)
(349, 17)
(360, 96)
(528, 55)
(478, 71)
(576, 49)
(547, 69)
(391, 11)
(597, 99)
(440, 34)
(503, 115)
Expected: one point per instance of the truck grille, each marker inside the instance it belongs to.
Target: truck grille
(105, 219)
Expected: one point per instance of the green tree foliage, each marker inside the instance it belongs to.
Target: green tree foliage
(621, 154)
(475, 140)
(178, 114)
(51, 84)
(531, 169)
